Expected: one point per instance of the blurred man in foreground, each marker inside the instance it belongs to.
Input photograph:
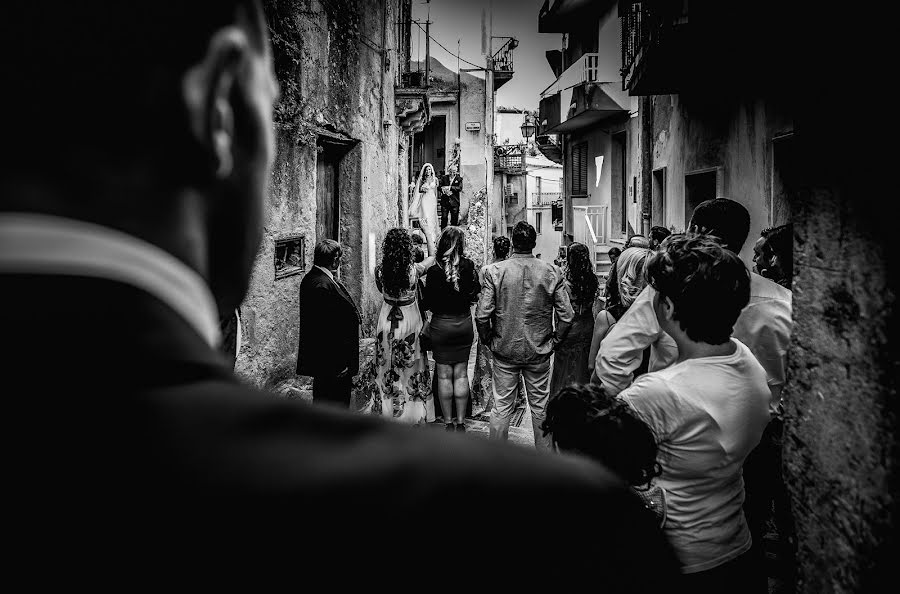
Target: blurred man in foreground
(117, 257)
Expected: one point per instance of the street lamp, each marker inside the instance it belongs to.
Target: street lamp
(527, 127)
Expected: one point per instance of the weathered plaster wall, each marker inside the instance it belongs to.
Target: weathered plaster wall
(548, 240)
(693, 133)
(600, 143)
(343, 89)
(270, 312)
(473, 145)
(841, 445)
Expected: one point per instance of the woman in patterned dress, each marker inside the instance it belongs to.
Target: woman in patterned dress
(402, 371)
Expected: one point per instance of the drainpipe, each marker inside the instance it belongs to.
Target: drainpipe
(646, 163)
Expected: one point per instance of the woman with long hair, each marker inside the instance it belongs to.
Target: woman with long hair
(451, 287)
(402, 368)
(424, 204)
(571, 356)
(630, 279)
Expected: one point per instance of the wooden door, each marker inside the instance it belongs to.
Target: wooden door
(327, 204)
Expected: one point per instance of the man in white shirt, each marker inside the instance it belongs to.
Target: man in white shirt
(764, 326)
(707, 411)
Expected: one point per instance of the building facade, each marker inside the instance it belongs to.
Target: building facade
(641, 146)
(343, 126)
(528, 182)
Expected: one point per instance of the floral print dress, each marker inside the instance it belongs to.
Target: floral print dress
(402, 375)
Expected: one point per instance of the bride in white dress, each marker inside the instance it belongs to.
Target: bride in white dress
(424, 205)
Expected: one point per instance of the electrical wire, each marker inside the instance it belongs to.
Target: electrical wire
(443, 47)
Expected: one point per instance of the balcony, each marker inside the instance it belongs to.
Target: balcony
(711, 47)
(559, 16)
(502, 62)
(509, 158)
(549, 146)
(411, 105)
(652, 48)
(578, 99)
(545, 198)
(585, 69)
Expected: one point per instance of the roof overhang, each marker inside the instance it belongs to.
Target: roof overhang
(592, 104)
(561, 16)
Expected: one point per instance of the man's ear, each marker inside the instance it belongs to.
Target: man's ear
(207, 89)
(667, 307)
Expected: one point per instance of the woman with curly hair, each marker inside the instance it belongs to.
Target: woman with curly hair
(451, 287)
(570, 360)
(402, 369)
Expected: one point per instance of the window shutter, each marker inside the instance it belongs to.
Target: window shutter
(579, 169)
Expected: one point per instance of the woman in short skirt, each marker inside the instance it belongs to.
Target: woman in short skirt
(451, 287)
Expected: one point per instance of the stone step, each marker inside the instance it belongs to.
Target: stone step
(522, 436)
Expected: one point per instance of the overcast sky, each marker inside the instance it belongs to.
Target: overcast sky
(461, 19)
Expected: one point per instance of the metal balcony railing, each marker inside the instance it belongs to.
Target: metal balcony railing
(545, 198)
(502, 60)
(509, 158)
(585, 69)
(644, 26)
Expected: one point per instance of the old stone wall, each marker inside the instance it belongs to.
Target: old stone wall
(336, 84)
(841, 446)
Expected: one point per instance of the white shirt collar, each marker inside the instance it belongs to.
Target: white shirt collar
(43, 244)
(326, 271)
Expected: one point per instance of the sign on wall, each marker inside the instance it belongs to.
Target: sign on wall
(473, 126)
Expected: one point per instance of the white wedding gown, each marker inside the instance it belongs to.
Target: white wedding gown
(427, 212)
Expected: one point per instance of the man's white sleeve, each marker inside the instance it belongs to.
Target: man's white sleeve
(623, 348)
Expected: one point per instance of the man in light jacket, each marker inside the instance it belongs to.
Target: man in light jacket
(515, 320)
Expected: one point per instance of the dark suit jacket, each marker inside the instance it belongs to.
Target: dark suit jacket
(455, 182)
(329, 327)
(132, 453)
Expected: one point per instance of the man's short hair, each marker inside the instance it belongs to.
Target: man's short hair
(726, 219)
(417, 239)
(708, 284)
(658, 233)
(524, 237)
(328, 252)
(501, 248)
(614, 251)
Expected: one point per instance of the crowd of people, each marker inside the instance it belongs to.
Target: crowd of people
(670, 375)
(646, 404)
